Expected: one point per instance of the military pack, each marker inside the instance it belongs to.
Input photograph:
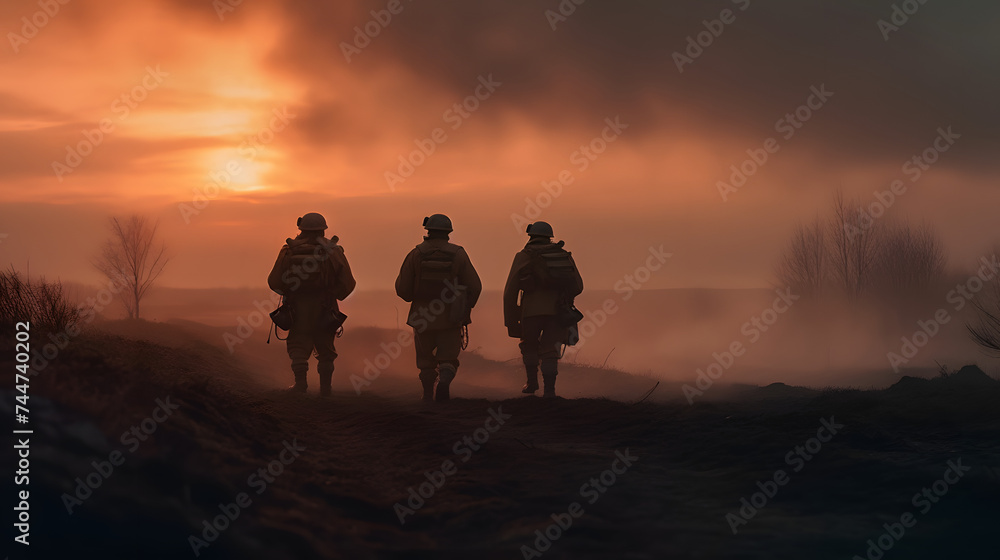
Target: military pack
(307, 265)
(436, 270)
(550, 268)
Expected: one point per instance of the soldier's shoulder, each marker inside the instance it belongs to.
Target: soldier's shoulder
(333, 244)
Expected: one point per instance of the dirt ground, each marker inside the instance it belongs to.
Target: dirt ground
(822, 472)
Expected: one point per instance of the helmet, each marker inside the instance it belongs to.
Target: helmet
(438, 222)
(542, 229)
(312, 222)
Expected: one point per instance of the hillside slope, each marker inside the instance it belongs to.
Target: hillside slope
(356, 458)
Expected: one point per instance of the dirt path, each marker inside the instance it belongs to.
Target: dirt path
(681, 469)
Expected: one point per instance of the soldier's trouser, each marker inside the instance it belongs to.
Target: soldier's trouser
(436, 347)
(301, 343)
(541, 340)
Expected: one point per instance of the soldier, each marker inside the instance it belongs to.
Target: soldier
(311, 273)
(442, 286)
(538, 304)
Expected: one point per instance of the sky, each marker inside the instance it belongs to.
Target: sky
(226, 120)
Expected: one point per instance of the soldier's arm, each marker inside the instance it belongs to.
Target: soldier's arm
(274, 277)
(404, 282)
(578, 285)
(345, 278)
(511, 311)
(470, 279)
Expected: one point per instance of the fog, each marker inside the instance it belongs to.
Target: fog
(754, 336)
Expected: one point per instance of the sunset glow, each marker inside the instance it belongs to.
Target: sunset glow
(258, 111)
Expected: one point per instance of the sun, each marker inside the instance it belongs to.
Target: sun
(236, 169)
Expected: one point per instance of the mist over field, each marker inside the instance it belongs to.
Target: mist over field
(782, 216)
(665, 334)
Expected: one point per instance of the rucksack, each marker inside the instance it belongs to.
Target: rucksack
(307, 266)
(436, 268)
(549, 268)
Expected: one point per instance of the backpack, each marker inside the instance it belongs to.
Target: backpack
(549, 268)
(307, 266)
(435, 267)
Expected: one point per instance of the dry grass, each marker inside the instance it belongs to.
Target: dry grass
(40, 302)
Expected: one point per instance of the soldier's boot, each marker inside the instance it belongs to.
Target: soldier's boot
(447, 372)
(531, 368)
(325, 379)
(427, 378)
(299, 371)
(549, 373)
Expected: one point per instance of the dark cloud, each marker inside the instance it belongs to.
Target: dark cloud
(939, 68)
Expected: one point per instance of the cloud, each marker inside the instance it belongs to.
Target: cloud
(354, 120)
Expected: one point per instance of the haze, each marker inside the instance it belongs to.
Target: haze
(226, 122)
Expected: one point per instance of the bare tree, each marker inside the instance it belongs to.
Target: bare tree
(130, 259)
(911, 259)
(856, 241)
(803, 265)
(986, 332)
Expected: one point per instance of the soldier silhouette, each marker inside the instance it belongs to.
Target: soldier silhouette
(438, 280)
(538, 305)
(311, 274)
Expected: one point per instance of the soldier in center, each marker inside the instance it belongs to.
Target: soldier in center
(538, 305)
(438, 280)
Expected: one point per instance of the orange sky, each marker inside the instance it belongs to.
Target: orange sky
(201, 92)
